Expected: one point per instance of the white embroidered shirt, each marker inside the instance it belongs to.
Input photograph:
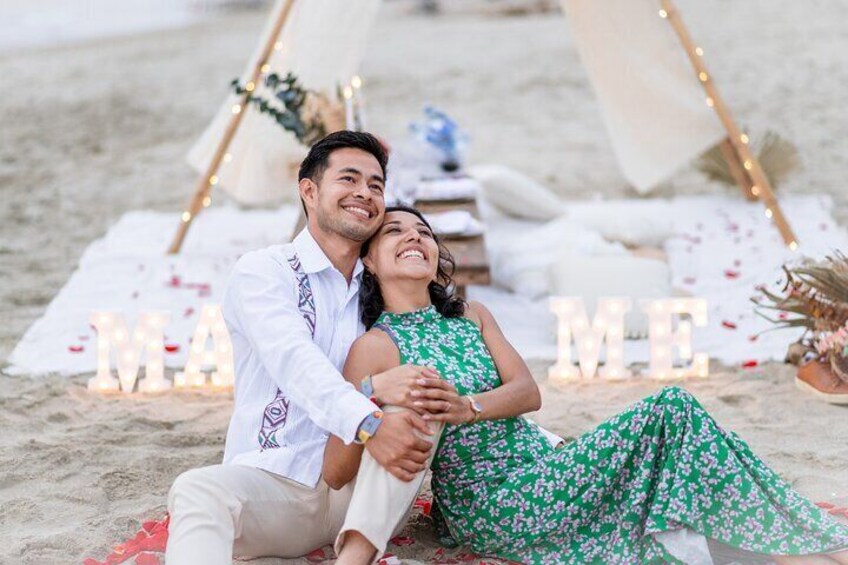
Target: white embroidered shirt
(289, 392)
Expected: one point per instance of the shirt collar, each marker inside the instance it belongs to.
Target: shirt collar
(312, 257)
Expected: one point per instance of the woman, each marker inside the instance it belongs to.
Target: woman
(627, 492)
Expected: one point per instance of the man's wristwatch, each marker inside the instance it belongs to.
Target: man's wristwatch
(476, 408)
(368, 427)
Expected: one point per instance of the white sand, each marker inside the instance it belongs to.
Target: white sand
(94, 130)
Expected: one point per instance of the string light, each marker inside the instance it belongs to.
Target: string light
(744, 139)
(710, 102)
(755, 190)
(278, 45)
(250, 86)
(769, 213)
(228, 157)
(356, 81)
(663, 14)
(748, 164)
(236, 108)
(186, 217)
(213, 180)
(207, 200)
(265, 68)
(793, 245)
(699, 52)
(703, 76)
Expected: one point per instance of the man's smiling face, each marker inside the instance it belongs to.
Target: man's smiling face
(348, 199)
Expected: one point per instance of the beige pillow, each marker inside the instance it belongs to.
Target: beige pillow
(516, 194)
(620, 275)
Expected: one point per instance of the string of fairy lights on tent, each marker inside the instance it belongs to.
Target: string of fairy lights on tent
(757, 185)
(354, 103)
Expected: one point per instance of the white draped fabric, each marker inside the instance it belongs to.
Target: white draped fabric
(651, 101)
(322, 42)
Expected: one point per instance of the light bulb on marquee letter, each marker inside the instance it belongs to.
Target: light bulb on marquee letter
(212, 324)
(664, 338)
(572, 321)
(112, 330)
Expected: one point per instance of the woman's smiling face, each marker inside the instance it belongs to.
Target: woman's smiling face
(403, 248)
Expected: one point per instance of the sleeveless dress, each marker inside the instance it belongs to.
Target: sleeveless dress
(664, 464)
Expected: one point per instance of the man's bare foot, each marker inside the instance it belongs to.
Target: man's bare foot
(356, 550)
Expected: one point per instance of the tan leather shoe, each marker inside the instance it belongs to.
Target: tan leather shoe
(818, 379)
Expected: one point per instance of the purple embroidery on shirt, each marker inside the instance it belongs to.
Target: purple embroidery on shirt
(274, 417)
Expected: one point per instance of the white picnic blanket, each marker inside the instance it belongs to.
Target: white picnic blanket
(721, 249)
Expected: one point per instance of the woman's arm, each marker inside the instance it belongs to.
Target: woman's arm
(373, 352)
(519, 392)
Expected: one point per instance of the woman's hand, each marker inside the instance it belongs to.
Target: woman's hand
(448, 406)
(415, 387)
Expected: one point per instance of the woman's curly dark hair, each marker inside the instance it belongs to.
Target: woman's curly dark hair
(442, 290)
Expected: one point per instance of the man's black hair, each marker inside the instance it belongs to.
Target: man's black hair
(318, 159)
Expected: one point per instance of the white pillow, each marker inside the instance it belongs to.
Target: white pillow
(517, 194)
(633, 223)
(622, 275)
(522, 263)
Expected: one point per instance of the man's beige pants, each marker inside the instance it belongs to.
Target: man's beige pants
(231, 510)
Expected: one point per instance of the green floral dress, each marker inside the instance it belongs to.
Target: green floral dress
(662, 465)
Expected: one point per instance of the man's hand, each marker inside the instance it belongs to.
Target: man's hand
(397, 448)
(418, 388)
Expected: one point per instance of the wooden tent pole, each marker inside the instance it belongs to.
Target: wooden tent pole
(737, 170)
(761, 187)
(201, 193)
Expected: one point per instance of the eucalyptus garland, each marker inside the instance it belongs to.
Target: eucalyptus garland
(290, 106)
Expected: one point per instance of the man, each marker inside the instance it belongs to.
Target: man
(292, 312)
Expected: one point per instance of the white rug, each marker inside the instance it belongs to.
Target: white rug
(723, 249)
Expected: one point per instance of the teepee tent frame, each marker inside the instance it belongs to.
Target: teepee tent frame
(743, 164)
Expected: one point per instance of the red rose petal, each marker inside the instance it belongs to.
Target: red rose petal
(172, 347)
(147, 559)
(90, 561)
(188, 312)
(149, 525)
(754, 337)
(728, 324)
(76, 348)
(316, 556)
(402, 540)
(750, 364)
(825, 505)
(731, 274)
(175, 281)
(782, 315)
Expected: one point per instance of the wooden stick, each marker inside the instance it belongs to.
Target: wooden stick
(209, 179)
(737, 171)
(761, 187)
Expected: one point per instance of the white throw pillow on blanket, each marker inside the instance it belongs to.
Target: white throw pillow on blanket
(523, 263)
(516, 194)
(627, 276)
(646, 224)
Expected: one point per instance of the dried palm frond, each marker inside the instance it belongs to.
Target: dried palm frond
(778, 158)
(815, 296)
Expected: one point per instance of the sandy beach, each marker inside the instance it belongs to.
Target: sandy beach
(92, 130)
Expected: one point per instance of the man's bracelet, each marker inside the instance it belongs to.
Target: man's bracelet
(368, 427)
(366, 387)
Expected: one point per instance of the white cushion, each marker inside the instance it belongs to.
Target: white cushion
(623, 275)
(646, 223)
(517, 194)
(522, 263)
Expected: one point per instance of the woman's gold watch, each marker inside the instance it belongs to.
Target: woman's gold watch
(476, 408)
